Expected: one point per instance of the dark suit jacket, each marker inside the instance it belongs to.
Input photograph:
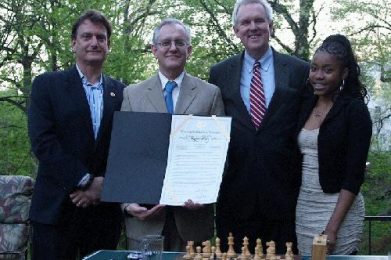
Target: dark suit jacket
(343, 143)
(196, 97)
(62, 139)
(259, 177)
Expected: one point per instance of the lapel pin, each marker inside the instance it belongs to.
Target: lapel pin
(112, 94)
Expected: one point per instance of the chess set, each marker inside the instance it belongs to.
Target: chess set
(209, 252)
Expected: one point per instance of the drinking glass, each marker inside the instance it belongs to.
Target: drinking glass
(151, 247)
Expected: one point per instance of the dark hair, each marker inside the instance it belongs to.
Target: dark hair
(339, 46)
(95, 17)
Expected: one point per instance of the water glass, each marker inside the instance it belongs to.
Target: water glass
(151, 247)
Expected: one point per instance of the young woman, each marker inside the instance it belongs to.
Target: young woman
(333, 135)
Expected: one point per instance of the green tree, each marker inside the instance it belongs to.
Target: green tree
(35, 37)
(15, 149)
(368, 25)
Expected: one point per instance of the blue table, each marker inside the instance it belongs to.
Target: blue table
(122, 255)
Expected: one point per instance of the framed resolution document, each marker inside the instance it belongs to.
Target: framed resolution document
(158, 158)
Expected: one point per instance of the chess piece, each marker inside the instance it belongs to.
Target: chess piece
(245, 247)
(213, 253)
(224, 256)
(206, 250)
(231, 251)
(271, 250)
(191, 245)
(256, 254)
(260, 247)
(242, 256)
(319, 247)
(198, 255)
(218, 250)
(187, 256)
(289, 253)
(258, 251)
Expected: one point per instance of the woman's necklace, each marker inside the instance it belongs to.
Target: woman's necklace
(320, 113)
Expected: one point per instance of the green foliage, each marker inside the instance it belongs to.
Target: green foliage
(212, 33)
(132, 65)
(368, 25)
(377, 193)
(377, 186)
(15, 146)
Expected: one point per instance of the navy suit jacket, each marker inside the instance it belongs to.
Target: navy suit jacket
(62, 139)
(259, 176)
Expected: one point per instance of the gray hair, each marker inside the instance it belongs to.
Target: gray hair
(264, 3)
(168, 21)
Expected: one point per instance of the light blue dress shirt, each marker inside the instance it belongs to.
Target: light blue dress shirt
(267, 76)
(175, 92)
(94, 94)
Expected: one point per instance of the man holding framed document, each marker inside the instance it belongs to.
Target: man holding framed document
(174, 91)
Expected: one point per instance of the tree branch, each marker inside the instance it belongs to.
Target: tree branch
(216, 23)
(19, 105)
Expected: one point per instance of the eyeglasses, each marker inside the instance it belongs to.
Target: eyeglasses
(177, 43)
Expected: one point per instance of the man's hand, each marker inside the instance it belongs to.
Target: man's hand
(189, 204)
(142, 213)
(90, 196)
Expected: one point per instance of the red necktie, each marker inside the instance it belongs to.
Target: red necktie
(257, 97)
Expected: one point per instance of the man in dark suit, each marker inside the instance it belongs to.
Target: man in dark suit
(69, 123)
(259, 189)
(171, 46)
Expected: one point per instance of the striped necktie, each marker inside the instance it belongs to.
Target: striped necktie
(257, 97)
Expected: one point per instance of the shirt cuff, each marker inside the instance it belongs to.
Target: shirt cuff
(85, 181)
(126, 214)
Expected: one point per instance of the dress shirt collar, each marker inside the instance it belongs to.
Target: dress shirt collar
(266, 61)
(178, 80)
(85, 81)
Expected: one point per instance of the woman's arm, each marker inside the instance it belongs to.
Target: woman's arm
(345, 201)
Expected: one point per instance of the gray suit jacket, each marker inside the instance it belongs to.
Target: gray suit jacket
(196, 97)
